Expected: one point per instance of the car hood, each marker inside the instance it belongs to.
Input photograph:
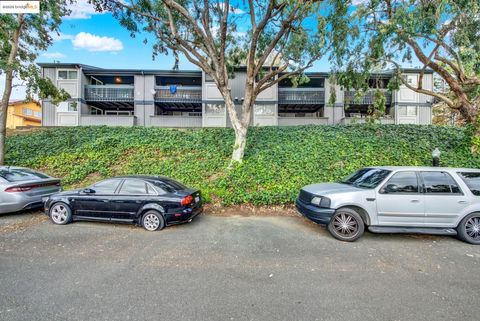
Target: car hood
(325, 189)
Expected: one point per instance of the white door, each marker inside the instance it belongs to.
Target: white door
(444, 201)
(400, 201)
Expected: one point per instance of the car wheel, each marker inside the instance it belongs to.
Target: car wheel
(152, 221)
(346, 225)
(469, 229)
(60, 213)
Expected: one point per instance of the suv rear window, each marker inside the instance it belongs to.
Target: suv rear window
(472, 180)
(20, 174)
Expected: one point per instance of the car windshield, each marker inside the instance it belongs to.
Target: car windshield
(20, 174)
(366, 177)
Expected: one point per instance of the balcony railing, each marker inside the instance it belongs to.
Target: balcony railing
(178, 94)
(301, 95)
(365, 99)
(120, 93)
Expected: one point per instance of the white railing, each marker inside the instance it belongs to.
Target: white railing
(297, 121)
(109, 93)
(107, 120)
(363, 120)
(176, 121)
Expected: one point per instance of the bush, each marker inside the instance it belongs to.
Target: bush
(278, 160)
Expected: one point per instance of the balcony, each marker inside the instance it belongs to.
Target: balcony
(179, 94)
(365, 99)
(109, 93)
(360, 120)
(295, 96)
(107, 120)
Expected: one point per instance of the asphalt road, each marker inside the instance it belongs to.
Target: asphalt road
(230, 268)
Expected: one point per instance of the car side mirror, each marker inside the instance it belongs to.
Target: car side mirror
(391, 188)
(88, 191)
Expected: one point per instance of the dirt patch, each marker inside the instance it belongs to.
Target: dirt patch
(250, 210)
(24, 223)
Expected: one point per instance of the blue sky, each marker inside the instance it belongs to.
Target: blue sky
(98, 39)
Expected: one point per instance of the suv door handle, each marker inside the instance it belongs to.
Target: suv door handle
(462, 202)
(415, 201)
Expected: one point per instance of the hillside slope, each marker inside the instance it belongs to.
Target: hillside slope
(278, 160)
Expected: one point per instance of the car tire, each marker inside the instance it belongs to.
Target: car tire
(60, 213)
(153, 221)
(346, 225)
(469, 229)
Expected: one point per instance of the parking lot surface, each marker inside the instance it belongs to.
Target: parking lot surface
(230, 268)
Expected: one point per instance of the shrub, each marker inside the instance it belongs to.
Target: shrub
(278, 160)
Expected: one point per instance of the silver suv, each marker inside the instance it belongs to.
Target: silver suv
(425, 200)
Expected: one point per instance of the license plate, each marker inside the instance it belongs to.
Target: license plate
(197, 199)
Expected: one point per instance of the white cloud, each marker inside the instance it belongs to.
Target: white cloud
(61, 36)
(85, 40)
(53, 55)
(82, 10)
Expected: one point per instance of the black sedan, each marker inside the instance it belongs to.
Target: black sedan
(151, 201)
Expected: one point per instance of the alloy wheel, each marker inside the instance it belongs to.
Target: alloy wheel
(151, 222)
(59, 214)
(345, 225)
(472, 228)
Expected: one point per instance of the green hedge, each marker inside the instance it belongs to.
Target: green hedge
(278, 160)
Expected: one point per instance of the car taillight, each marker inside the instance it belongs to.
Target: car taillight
(186, 200)
(18, 189)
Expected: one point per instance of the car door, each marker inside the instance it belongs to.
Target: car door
(400, 201)
(97, 204)
(444, 200)
(130, 198)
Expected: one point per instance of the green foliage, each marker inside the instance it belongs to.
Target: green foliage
(278, 160)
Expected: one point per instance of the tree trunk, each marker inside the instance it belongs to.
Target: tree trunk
(239, 147)
(8, 87)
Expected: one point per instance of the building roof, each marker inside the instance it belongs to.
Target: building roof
(92, 70)
(21, 102)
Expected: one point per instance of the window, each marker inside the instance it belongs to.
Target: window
(215, 109)
(72, 106)
(472, 180)
(134, 187)
(27, 112)
(95, 111)
(439, 183)
(37, 114)
(265, 110)
(407, 110)
(106, 187)
(401, 182)
(20, 174)
(366, 177)
(67, 75)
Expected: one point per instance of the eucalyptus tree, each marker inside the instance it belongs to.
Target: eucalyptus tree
(440, 35)
(22, 37)
(272, 39)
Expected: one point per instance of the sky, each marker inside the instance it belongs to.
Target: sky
(97, 39)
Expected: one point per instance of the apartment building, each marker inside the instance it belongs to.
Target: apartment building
(170, 98)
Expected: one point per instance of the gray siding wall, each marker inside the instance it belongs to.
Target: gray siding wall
(48, 113)
(424, 115)
(144, 104)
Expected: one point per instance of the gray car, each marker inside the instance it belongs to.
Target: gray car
(425, 200)
(23, 188)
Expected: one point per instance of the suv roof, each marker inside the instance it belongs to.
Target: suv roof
(425, 168)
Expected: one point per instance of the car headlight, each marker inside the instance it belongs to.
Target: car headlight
(321, 201)
(316, 200)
